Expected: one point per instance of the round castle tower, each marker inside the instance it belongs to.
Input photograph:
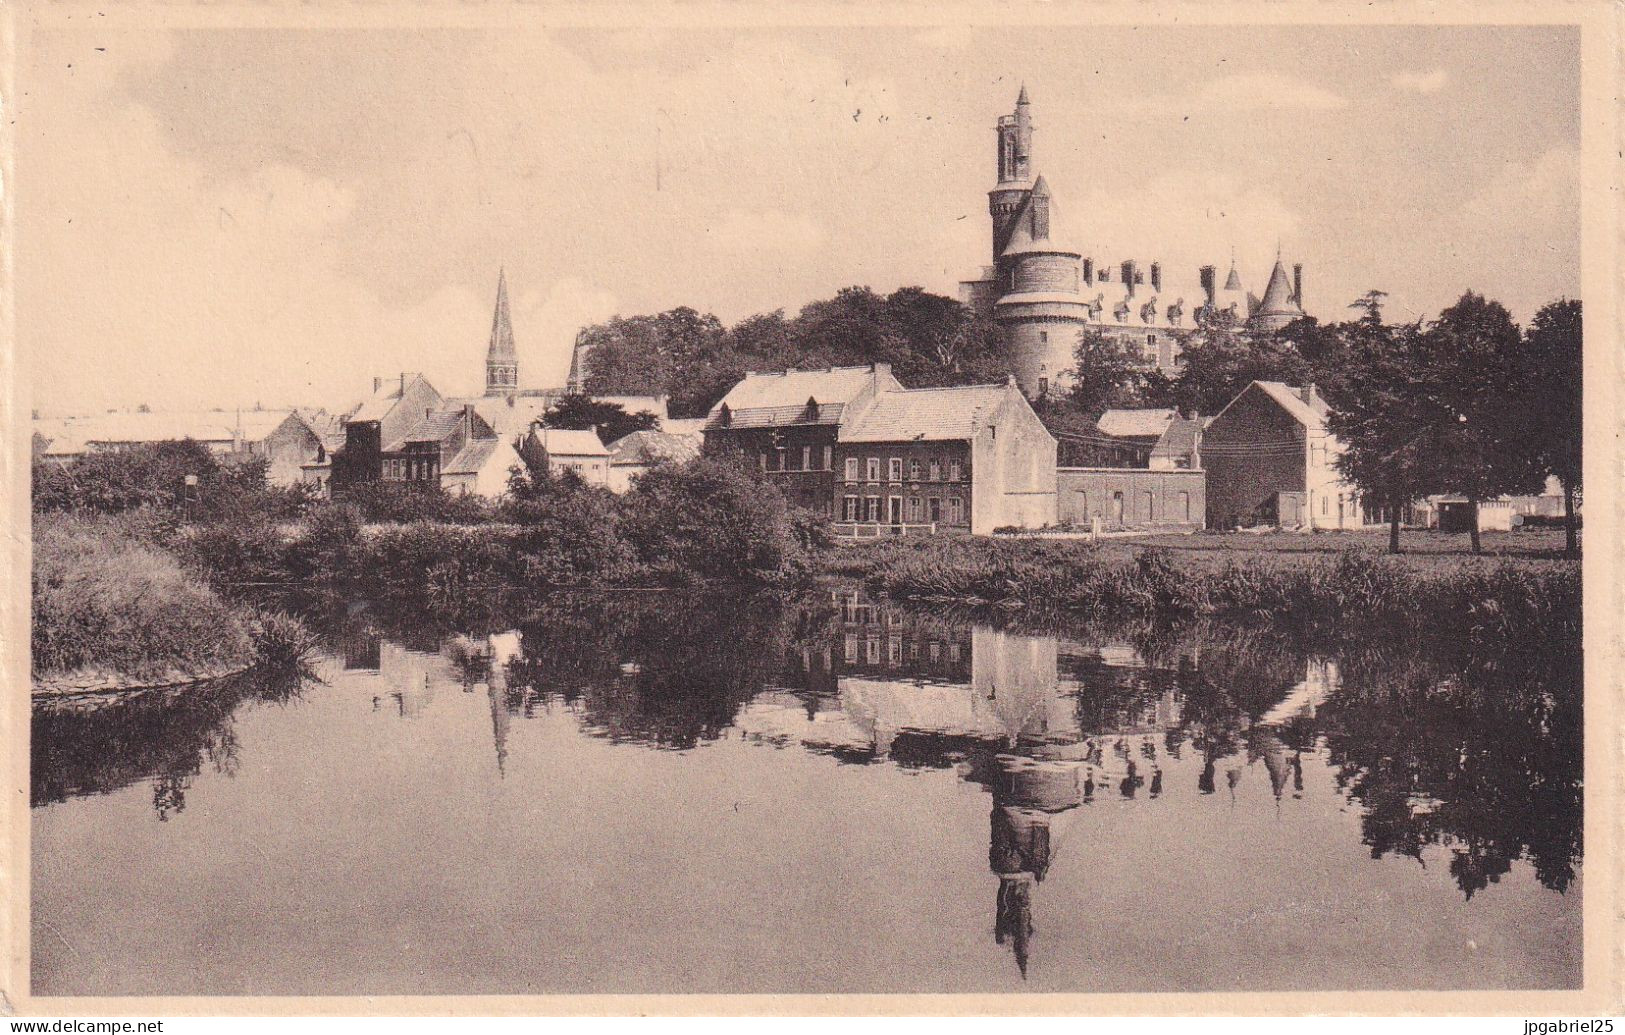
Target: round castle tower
(1036, 281)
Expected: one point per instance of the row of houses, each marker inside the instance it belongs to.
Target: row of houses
(881, 459)
(851, 443)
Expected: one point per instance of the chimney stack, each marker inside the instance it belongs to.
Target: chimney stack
(377, 383)
(1210, 284)
(1307, 393)
(403, 382)
(1088, 271)
(1128, 276)
(1156, 277)
(468, 418)
(1297, 284)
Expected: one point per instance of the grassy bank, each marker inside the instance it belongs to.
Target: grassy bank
(1323, 595)
(112, 608)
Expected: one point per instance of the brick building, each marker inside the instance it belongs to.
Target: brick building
(1271, 461)
(854, 444)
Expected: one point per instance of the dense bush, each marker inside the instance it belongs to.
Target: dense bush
(155, 476)
(568, 532)
(436, 562)
(716, 519)
(104, 599)
(402, 502)
(1324, 597)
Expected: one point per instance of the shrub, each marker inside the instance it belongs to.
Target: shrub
(569, 532)
(715, 519)
(106, 600)
(246, 551)
(329, 548)
(438, 562)
(404, 502)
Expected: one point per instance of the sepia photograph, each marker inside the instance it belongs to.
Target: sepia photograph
(529, 506)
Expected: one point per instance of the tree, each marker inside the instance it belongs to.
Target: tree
(1554, 360)
(1473, 366)
(1383, 415)
(609, 420)
(1220, 361)
(1105, 373)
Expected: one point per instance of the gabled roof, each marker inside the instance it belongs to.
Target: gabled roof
(928, 414)
(434, 427)
(173, 426)
(559, 442)
(1180, 439)
(1135, 423)
(647, 447)
(379, 403)
(766, 400)
(472, 457)
(1288, 398)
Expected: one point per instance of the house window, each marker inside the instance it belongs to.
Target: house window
(953, 653)
(1043, 386)
(778, 458)
(895, 470)
(894, 651)
(850, 648)
(913, 470)
(935, 651)
(1323, 506)
(851, 511)
(1185, 506)
(806, 458)
(956, 511)
(1043, 337)
(953, 470)
(1150, 507)
(851, 468)
(934, 508)
(873, 512)
(1083, 503)
(764, 461)
(936, 471)
(873, 469)
(873, 643)
(914, 509)
(829, 458)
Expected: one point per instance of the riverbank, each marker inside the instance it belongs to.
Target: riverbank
(1320, 594)
(114, 611)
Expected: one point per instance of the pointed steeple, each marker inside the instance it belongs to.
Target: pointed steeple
(1021, 98)
(501, 322)
(501, 358)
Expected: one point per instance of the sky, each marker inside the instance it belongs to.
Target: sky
(231, 217)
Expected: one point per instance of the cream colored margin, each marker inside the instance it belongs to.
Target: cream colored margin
(1602, 151)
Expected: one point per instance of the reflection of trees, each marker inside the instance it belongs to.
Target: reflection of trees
(1486, 760)
(99, 746)
(652, 668)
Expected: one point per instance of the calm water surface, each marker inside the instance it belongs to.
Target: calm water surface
(656, 793)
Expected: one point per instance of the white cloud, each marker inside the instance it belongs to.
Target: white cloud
(1422, 82)
(1252, 90)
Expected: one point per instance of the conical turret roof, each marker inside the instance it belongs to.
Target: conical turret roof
(1021, 98)
(501, 324)
(1232, 282)
(1278, 296)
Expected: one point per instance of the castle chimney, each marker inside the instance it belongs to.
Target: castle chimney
(403, 382)
(1210, 284)
(1088, 271)
(1156, 277)
(1128, 276)
(377, 383)
(1297, 284)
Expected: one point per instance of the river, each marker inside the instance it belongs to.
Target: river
(647, 792)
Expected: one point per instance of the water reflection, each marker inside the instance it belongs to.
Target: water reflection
(1067, 732)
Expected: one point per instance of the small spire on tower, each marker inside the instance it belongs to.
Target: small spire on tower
(1021, 98)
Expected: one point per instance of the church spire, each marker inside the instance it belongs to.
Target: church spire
(501, 358)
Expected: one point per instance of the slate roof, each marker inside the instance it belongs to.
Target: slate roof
(1278, 298)
(790, 390)
(472, 457)
(199, 425)
(647, 447)
(928, 414)
(434, 427)
(1289, 400)
(1135, 423)
(379, 403)
(778, 416)
(569, 443)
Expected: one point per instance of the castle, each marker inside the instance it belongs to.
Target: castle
(1041, 294)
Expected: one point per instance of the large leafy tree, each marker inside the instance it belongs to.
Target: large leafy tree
(1553, 362)
(1384, 412)
(610, 420)
(1472, 359)
(1105, 373)
(1220, 361)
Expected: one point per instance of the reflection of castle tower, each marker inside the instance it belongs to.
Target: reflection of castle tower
(1027, 798)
